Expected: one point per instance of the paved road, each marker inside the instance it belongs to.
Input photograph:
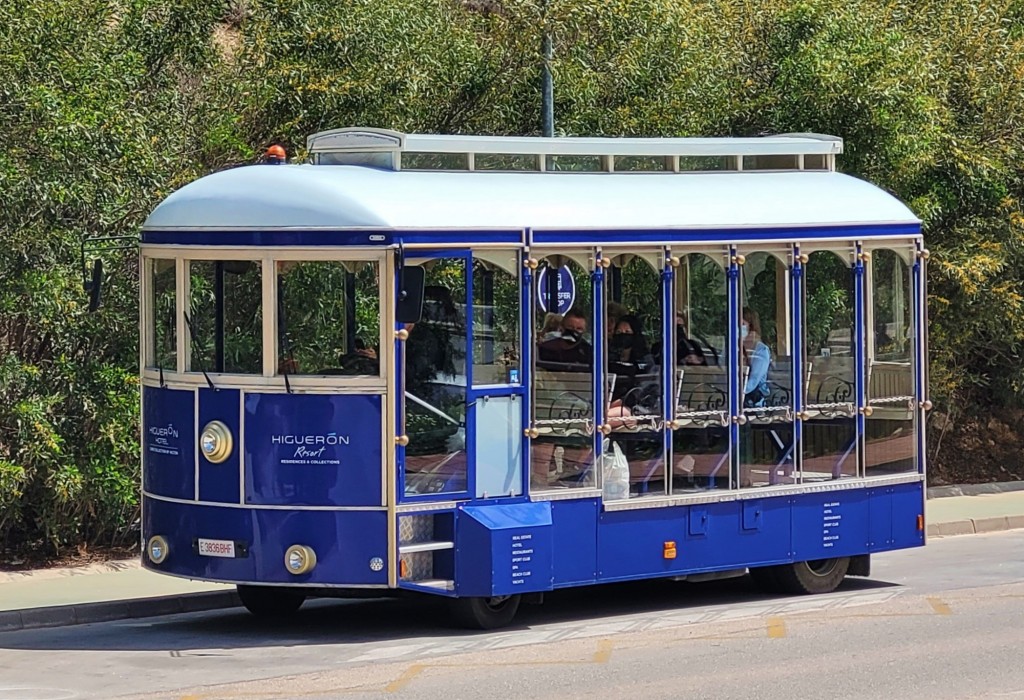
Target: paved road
(946, 621)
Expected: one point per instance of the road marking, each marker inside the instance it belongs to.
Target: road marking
(404, 679)
(776, 628)
(604, 651)
(939, 607)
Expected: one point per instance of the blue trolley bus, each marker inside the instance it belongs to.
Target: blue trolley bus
(489, 367)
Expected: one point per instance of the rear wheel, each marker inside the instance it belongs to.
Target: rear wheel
(485, 613)
(816, 576)
(270, 601)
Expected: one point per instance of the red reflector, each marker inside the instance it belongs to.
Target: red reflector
(920, 522)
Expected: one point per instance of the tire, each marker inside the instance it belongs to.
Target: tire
(817, 576)
(270, 601)
(485, 613)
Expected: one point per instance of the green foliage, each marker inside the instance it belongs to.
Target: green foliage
(106, 106)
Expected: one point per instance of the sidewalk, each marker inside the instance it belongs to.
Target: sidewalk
(122, 590)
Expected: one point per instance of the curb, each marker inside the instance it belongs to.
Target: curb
(975, 489)
(976, 526)
(107, 611)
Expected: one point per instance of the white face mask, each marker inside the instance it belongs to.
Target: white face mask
(744, 330)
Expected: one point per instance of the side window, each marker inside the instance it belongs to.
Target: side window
(163, 344)
(328, 317)
(226, 316)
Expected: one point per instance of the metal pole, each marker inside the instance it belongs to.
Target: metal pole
(547, 86)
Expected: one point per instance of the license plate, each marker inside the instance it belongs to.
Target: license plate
(217, 548)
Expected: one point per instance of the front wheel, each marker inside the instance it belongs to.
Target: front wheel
(270, 601)
(815, 576)
(485, 613)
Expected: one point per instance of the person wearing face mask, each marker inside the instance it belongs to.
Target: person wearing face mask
(627, 344)
(756, 357)
(569, 347)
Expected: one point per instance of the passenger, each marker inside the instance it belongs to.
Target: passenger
(552, 327)
(615, 312)
(627, 344)
(756, 357)
(570, 347)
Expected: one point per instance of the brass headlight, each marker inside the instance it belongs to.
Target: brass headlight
(157, 549)
(299, 559)
(216, 442)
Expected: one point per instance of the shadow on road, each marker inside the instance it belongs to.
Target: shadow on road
(419, 618)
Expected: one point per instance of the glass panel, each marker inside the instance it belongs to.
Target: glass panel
(563, 398)
(643, 163)
(766, 373)
(697, 163)
(889, 439)
(830, 431)
(499, 441)
(435, 161)
(503, 161)
(162, 298)
(700, 443)
(229, 292)
(435, 384)
(633, 375)
(496, 322)
(575, 163)
(815, 162)
(328, 317)
(780, 162)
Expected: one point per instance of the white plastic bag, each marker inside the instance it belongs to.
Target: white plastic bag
(616, 473)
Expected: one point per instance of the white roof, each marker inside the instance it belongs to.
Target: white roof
(277, 197)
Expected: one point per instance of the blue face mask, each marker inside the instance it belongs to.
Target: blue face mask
(744, 330)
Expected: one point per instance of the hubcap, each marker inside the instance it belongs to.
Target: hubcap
(821, 567)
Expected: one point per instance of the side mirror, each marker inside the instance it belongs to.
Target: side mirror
(94, 286)
(409, 308)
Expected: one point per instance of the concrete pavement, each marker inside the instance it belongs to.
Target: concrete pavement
(122, 589)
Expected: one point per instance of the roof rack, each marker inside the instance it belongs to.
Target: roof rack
(396, 151)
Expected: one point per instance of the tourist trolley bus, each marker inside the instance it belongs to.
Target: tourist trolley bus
(489, 367)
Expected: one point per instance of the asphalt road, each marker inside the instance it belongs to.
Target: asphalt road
(946, 621)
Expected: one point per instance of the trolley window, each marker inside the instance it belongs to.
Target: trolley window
(328, 317)
(162, 344)
(225, 316)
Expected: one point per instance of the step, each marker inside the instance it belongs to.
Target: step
(439, 584)
(424, 547)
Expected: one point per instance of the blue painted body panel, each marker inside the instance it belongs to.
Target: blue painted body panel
(344, 542)
(169, 442)
(503, 549)
(313, 450)
(219, 482)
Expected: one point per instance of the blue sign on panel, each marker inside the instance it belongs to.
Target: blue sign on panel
(566, 290)
(168, 446)
(316, 450)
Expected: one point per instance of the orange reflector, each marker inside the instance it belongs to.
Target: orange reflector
(403, 569)
(669, 551)
(920, 522)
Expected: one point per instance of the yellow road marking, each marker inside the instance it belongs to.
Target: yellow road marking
(604, 651)
(403, 680)
(939, 607)
(776, 628)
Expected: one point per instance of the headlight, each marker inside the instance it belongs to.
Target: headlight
(299, 559)
(157, 549)
(216, 442)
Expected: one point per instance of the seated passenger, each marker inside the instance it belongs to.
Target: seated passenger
(756, 358)
(551, 328)
(627, 345)
(570, 347)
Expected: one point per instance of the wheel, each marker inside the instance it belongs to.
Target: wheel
(817, 576)
(485, 613)
(270, 601)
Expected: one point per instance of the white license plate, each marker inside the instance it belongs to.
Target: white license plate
(217, 548)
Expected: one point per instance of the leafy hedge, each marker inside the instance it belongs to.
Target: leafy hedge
(106, 106)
